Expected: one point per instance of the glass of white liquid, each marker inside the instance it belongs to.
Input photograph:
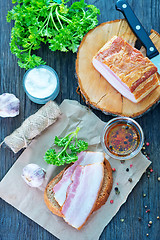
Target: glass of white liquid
(41, 84)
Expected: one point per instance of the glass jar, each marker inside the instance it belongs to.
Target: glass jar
(122, 138)
(41, 84)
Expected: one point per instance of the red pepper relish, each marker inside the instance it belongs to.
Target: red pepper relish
(122, 139)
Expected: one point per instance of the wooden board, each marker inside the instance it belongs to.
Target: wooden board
(96, 90)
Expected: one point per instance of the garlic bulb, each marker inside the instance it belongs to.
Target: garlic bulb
(33, 175)
(9, 105)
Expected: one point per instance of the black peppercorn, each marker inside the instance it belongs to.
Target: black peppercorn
(130, 179)
(122, 161)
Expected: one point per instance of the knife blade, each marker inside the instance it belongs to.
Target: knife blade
(151, 51)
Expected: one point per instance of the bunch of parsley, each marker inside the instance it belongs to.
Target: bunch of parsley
(48, 21)
(68, 149)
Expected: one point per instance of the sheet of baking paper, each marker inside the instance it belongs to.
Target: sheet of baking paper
(30, 201)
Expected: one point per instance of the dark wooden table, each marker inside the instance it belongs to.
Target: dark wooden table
(14, 225)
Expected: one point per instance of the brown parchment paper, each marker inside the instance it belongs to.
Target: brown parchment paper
(30, 201)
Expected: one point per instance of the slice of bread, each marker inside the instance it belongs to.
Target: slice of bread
(54, 207)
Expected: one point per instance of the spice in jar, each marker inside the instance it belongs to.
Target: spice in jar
(122, 139)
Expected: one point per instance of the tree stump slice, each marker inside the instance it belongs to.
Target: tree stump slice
(97, 92)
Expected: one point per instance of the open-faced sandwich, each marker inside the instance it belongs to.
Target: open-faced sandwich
(80, 189)
(126, 69)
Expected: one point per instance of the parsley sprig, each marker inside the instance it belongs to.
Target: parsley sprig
(69, 150)
(48, 21)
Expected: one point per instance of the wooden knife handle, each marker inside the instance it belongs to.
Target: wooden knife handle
(137, 28)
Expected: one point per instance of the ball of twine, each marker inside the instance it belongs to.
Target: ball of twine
(33, 126)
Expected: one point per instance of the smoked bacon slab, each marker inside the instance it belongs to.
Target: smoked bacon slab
(126, 69)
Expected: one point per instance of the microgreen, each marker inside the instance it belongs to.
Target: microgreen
(48, 21)
(68, 149)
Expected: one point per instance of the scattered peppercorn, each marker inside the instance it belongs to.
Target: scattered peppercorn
(117, 183)
(127, 169)
(148, 210)
(122, 161)
(147, 143)
(158, 217)
(143, 148)
(139, 218)
(151, 170)
(130, 179)
(150, 222)
(159, 179)
(122, 219)
(149, 225)
(111, 201)
(117, 190)
(144, 194)
(147, 234)
(113, 169)
(131, 165)
(145, 206)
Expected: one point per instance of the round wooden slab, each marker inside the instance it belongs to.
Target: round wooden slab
(96, 90)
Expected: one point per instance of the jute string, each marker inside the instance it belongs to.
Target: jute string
(32, 127)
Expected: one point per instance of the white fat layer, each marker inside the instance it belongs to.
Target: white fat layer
(92, 157)
(60, 196)
(113, 79)
(86, 194)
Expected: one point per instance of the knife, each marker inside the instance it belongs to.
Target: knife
(151, 51)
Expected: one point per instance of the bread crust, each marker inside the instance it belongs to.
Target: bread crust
(54, 207)
(49, 200)
(106, 186)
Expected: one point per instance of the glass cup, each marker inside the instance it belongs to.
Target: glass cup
(38, 99)
(119, 137)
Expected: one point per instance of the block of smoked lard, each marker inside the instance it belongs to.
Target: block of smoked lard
(126, 69)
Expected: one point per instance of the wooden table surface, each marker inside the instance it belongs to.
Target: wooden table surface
(16, 226)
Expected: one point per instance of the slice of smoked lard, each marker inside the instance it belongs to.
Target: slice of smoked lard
(82, 194)
(126, 69)
(49, 195)
(84, 158)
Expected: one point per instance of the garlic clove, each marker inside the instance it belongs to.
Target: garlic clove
(33, 175)
(9, 105)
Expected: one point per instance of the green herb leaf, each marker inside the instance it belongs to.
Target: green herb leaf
(64, 156)
(48, 21)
